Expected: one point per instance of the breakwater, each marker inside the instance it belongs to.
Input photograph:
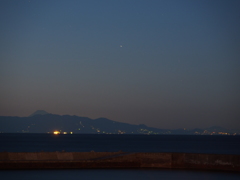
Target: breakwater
(68, 160)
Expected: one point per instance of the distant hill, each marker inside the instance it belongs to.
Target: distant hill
(44, 122)
(39, 112)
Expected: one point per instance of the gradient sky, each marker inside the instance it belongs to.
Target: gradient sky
(163, 63)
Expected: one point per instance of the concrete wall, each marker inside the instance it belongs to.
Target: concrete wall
(53, 156)
(146, 159)
(206, 161)
(29, 160)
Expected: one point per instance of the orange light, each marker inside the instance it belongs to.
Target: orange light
(56, 132)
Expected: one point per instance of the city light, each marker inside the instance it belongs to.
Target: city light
(56, 132)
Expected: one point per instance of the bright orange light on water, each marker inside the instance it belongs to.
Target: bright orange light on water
(56, 132)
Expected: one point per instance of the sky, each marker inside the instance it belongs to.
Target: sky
(163, 63)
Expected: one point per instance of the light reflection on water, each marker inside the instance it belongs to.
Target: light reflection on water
(111, 174)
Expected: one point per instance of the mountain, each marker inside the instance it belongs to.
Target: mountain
(39, 112)
(51, 122)
(44, 122)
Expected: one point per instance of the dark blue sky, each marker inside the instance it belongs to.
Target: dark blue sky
(163, 63)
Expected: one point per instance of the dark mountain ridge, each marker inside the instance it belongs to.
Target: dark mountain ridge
(43, 122)
(39, 112)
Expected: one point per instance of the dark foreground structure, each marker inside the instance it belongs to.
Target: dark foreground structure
(73, 160)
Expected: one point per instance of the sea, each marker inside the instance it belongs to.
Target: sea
(113, 143)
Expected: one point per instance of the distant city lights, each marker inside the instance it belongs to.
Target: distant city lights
(59, 132)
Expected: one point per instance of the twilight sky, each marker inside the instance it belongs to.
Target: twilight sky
(163, 63)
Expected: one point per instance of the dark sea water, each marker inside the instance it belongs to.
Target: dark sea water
(126, 143)
(120, 174)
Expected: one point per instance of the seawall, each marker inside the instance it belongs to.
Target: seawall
(68, 160)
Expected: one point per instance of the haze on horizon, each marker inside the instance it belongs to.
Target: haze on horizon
(163, 63)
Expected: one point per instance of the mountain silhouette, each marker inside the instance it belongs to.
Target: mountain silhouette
(44, 122)
(39, 112)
